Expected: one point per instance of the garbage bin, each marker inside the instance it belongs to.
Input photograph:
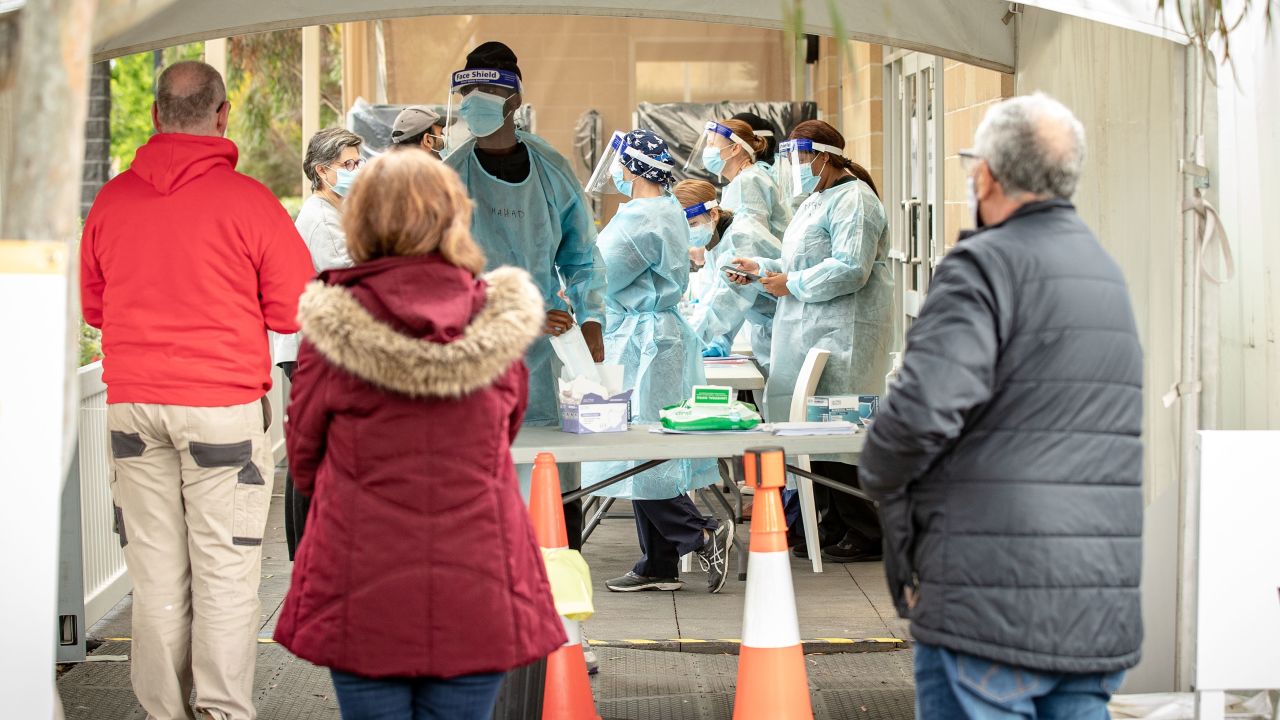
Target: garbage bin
(520, 697)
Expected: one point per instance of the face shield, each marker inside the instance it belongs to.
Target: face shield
(479, 104)
(709, 150)
(797, 175)
(702, 225)
(608, 171)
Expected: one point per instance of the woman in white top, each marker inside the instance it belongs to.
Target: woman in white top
(332, 163)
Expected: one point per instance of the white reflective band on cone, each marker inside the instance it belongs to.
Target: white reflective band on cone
(769, 617)
(573, 629)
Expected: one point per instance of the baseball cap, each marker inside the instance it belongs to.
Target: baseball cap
(412, 122)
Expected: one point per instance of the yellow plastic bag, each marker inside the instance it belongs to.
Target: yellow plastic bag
(570, 583)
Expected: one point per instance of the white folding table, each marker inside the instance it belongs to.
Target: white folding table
(652, 449)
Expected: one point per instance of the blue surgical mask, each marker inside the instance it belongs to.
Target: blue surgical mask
(712, 161)
(345, 179)
(624, 186)
(483, 112)
(700, 234)
(808, 181)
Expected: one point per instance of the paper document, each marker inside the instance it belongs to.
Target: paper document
(795, 429)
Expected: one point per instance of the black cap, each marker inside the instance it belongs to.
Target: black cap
(493, 55)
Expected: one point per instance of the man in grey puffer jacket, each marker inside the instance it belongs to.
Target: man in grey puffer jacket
(1007, 458)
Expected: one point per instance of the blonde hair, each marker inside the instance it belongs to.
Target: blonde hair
(410, 204)
(692, 192)
(744, 132)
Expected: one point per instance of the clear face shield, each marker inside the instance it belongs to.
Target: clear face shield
(797, 174)
(609, 174)
(710, 149)
(479, 104)
(702, 226)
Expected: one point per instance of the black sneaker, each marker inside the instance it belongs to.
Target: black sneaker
(714, 555)
(632, 582)
(846, 551)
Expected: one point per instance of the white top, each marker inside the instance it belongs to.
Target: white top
(745, 376)
(320, 225)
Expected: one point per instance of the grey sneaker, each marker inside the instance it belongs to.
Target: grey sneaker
(632, 582)
(714, 555)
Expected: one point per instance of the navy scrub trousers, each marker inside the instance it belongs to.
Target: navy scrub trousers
(668, 529)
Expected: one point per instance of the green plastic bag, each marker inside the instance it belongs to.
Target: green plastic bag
(570, 580)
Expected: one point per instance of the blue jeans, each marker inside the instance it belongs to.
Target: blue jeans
(954, 685)
(470, 697)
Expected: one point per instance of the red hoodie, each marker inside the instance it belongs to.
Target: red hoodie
(185, 264)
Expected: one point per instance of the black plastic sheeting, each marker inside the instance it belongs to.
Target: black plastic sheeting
(680, 124)
(373, 123)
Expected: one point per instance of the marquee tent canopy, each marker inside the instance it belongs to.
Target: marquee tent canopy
(972, 31)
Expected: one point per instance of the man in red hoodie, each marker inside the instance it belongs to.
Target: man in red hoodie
(185, 264)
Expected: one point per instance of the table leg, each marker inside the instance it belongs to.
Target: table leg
(732, 486)
(596, 518)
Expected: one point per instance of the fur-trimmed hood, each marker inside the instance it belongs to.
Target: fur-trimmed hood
(342, 328)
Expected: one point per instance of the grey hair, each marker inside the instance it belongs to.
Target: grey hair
(1033, 144)
(325, 148)
(188, 95)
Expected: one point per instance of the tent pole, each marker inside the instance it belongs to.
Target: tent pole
(1188, 390)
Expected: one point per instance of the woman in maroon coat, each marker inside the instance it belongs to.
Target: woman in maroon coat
(419, 581)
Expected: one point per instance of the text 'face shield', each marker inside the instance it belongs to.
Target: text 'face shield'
(479, 104)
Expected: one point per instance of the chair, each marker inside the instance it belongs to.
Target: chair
(806, 385)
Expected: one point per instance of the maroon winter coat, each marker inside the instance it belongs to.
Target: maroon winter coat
(419, 559)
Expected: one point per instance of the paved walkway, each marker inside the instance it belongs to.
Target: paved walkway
(635, 682)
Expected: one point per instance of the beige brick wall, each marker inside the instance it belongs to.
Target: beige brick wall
(968, 92)
(862, 106)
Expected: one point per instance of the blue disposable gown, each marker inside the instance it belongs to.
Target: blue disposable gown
(725, 305)
(544, 226)
(646, 252)
(754, 192)
(835, 254)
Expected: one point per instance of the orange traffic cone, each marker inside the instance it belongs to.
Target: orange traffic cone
(772, 681)
(567, 694)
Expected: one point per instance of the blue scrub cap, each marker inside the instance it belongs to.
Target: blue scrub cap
(654, 148)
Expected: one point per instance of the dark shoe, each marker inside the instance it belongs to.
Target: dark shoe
(847, 552)
(632, 582)
(714, 555)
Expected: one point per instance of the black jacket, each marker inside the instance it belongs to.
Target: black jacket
(1007, 458)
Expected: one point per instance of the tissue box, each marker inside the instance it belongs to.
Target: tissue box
(856, 409)
(596, 414)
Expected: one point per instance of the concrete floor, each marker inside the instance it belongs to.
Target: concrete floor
(837, 610)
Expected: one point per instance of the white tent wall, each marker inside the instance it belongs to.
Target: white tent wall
(1247, 393)
(1127, 90)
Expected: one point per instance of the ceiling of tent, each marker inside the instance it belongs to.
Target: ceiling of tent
(968, 30)
(973, 31)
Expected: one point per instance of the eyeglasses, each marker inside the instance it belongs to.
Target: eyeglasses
(350, 165)
(969, 159)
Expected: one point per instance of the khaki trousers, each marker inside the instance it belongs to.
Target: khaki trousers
(191, 487)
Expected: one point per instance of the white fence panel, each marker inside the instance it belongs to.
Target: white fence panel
(105, 579)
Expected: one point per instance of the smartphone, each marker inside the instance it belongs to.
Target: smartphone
(735, 270)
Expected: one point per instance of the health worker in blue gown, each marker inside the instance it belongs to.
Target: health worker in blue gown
(730, 148)
(530, 213)
(835, 291)
(719, 235)
(646, 253)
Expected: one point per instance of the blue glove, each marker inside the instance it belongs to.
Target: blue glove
(713, 352)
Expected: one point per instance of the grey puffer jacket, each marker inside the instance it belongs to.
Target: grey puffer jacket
(1007, 458)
